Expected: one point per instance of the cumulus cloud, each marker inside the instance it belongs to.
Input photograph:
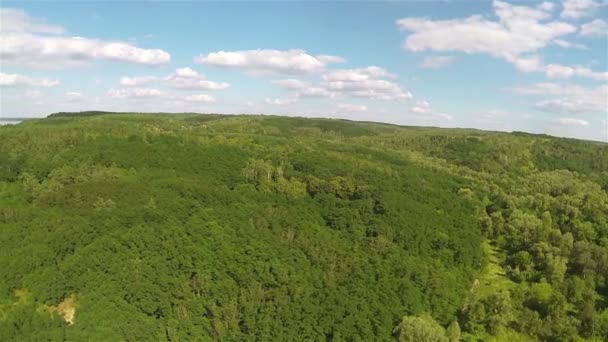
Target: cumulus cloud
(346, 107)
(361, 82)
(364, 83)
(567, 98)
(186, 78)
(597, 27)
(570, 122)
(355, 75)
(518, 32)
(186, 73)
(200, 98)
(291, 84)
(421, 107)
(16, 80)
(280, 102)
(264, 61)
(137, 81)
(559, 71)
(298, 88)
(574, 9)
(15, 20)
(436, 62)
(493, 119)
(157, 98)
(315, 92)
(182, 78)
(72, 96)
(569, 105)
(563, 72)
(568, 45)
(424, 110)
(371, 89)
(33, 94)
(29, 41)
(546, 6)
(527, 64)
(492, 114)
(516, 36)
(134, 93)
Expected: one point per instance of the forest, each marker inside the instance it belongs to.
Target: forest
(190, 227)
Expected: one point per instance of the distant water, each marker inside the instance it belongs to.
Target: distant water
(9, 121)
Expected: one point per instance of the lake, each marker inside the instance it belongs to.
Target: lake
(9, 121)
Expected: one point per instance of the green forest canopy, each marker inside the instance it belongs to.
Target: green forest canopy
(184, 227)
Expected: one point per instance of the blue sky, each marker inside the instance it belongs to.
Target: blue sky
(526, 66)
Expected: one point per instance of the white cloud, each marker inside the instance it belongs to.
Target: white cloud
(568, 105)
(597, 27)
(574, 9)
(291, 84)
(33, 94)
(546, 88)
(527, 64)
(72, 96)
(315, 92)
(186, 73)
(516, 36)
(492, 114)
(567, 98)
(16, 80)
(134, 93)
(298, 88)
(182, 78)
(280, 102)
(15, 20)
(570, 122)
(270, 61)
(436, 62)
(563, 72)
(372, 89)
(568, 45)
(363, 83)
(355, 75)
(352, 107)
(137, 81)
(559, 71)
(28, 41)
(327, 59)
(546, 6)
(424, 110)
(421, 107)
(518, 32)
(200, 98)
(186, 78)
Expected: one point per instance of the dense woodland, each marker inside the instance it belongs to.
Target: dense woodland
(238, 228)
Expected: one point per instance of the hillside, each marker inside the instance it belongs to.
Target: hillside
(209, 227)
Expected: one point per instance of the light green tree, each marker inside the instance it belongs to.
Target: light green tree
(419, 329)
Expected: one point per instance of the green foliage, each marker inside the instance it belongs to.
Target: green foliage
(210, 227)
(420, 329)
(453, 332)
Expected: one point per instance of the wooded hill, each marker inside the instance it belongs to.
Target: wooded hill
(186, 227)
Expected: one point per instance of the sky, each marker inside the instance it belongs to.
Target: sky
(534, 66)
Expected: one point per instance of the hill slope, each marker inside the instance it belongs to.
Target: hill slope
(198, 227)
